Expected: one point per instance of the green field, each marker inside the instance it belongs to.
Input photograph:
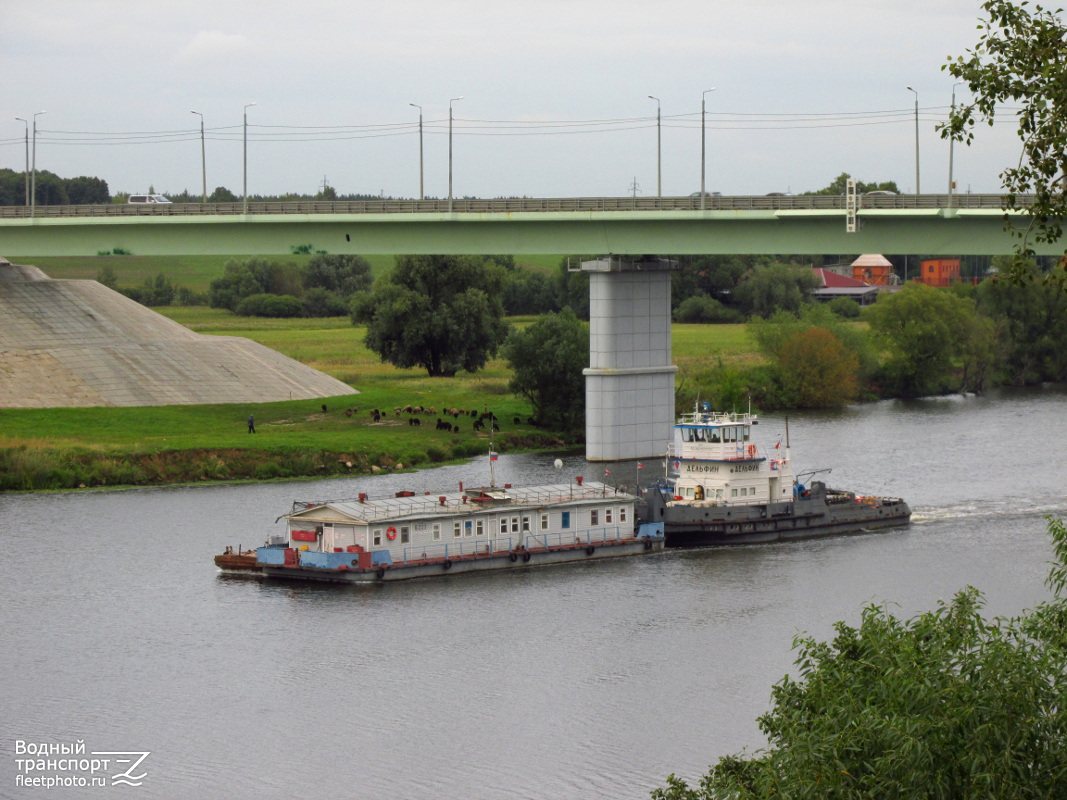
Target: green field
(65, 447)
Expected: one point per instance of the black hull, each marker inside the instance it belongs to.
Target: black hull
(820, 514)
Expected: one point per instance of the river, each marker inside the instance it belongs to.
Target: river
(578, 681)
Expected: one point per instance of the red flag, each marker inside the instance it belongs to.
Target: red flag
(606, 472)
(776, 446)
(640, 465)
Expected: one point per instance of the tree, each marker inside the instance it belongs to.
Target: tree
(840, 186)
(84, 190)
(945, 705)
(779, 287)
(547, 359)
(344, 274)
(222, 195)
(817, 371)
(922, 329)
(818, 359)
(241, 279)
(441, 313)
(1018, 64)
(1032, 319)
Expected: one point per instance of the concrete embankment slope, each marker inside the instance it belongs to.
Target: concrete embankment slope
(78, 343)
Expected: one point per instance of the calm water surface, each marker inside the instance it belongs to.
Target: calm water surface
(578, 681)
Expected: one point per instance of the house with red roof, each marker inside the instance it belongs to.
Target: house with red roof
(833, 285)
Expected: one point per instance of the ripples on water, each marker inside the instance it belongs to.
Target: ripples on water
(577, 681)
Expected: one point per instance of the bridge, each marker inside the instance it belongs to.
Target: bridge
(949, 225)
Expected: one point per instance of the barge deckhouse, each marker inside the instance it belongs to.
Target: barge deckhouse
(408, 536)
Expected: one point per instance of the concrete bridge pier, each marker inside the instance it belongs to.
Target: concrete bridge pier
(629, 385)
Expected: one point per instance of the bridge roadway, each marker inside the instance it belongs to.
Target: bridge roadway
(803, 224)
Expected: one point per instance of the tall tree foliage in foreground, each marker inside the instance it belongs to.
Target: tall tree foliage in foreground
(441, 313)
(1019, 64)
(547, 359)
(946, 705)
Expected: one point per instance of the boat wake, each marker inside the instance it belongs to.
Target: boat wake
(1005, 509)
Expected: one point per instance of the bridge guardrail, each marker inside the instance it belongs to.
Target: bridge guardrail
(520, 204)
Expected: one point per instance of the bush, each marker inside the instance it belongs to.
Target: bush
(844, 307)
(270, 305)
(705, 309)
(320, 302)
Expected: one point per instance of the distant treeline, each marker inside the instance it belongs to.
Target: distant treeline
(52, 190)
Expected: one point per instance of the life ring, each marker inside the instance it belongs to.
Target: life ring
(751, 450)
(513, 557)
(525, 557)
(381, 572)
(390, 534)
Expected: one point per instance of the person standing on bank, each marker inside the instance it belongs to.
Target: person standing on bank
(251, 424)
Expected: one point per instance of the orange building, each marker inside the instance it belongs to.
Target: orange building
(873, 269)
(940, 271)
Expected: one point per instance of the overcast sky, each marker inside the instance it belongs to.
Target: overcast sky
(555, 94)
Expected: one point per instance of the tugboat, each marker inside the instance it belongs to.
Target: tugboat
(721, 488)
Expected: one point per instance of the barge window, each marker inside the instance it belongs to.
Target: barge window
(607, 516)
(436, 531)
(594, 517)
(622, 513)
(565, 519)
(377, 537)
(456, 529)
(526, 523)
(544, 522)
(514, 524)
(480, 528)
(405, 534)
(467, 528)
(503, 526)
(733, 493)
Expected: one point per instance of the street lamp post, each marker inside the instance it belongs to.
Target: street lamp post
(33, 179)
(203, 154)
(26, 174)
(703, 102)
(659, 149)
(917, 191)
(422, 194)
(952, 141)
(450, 102)
(244, 190)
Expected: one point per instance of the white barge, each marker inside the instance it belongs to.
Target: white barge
(368, 540)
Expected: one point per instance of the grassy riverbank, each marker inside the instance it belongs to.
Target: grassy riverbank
(61, 448)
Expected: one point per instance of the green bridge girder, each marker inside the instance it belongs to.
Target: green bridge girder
(927, 231)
